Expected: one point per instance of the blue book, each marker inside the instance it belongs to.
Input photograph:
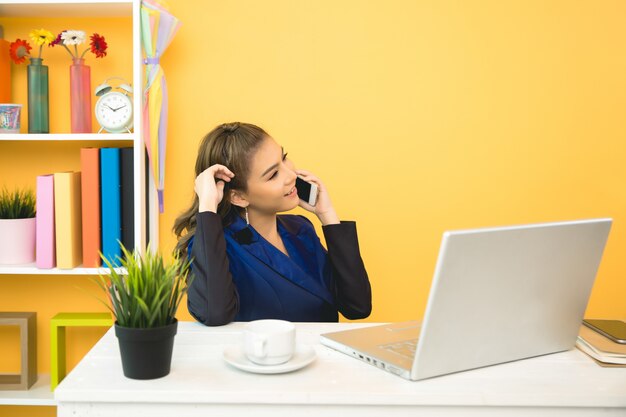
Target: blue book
(110, 199)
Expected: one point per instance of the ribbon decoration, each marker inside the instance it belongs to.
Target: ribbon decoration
(158, 28)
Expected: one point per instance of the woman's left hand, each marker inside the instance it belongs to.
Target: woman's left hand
(323, 207)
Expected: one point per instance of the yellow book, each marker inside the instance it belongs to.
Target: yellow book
(67, 218)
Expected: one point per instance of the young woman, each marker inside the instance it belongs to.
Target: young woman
(250, 263)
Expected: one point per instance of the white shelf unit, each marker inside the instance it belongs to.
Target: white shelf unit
(66, 8)
(97, 9)
(38, 394)
(57, 137)
(31, 269)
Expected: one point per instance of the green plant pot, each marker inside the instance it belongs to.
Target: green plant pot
(146, 353)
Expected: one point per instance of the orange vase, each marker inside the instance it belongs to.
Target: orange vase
(5, 71)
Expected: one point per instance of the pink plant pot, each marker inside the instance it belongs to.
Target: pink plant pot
(17, 241)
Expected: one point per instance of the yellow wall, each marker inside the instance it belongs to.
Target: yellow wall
(420, 116)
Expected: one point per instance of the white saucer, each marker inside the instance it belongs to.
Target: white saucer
(303, 356)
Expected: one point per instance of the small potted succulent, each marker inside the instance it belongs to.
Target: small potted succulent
(144, 300)
(17, 226)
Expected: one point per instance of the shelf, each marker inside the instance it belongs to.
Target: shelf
(34, 13)
(57, 137)
(38, 394)
(31, 269)
(66, 8)
(65, 144)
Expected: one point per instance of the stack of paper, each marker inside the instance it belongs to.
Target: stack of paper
(600, 348)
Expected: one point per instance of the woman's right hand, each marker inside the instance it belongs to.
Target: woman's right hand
(209, 186)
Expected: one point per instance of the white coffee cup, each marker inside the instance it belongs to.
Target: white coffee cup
(269, 342)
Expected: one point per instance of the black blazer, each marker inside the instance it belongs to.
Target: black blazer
(248, 278)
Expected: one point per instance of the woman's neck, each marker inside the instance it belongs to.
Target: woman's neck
(264, 224)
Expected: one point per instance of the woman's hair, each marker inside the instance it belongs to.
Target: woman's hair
(232, 145)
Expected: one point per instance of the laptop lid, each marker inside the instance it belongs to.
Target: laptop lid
(498, 295)
(508, 293)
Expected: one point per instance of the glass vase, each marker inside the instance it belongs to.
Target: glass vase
(80, 96)
(38, 116)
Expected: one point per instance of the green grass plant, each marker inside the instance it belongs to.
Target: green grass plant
(18, 204)
(149, 295)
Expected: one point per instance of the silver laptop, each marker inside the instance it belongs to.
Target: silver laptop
(498, 295)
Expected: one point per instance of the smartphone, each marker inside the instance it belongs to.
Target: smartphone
(307, 191)
(613, 329)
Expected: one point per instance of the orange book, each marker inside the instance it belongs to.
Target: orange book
(67, 215)
(90, 196)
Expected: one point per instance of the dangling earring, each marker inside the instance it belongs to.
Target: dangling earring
(244, 236)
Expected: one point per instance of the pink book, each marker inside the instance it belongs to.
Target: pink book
(45, 247)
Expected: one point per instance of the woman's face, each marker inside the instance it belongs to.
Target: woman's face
(272, 180)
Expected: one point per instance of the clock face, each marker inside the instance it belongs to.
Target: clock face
(114, 111)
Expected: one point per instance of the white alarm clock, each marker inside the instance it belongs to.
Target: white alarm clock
(114, 109)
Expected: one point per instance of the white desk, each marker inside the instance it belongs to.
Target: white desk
(202, 384)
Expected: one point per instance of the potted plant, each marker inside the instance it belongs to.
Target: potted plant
(17, 226)
(144, 302)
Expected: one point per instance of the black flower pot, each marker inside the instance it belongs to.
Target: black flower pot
(146, 353)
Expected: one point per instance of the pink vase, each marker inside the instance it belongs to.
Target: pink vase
(17, 245)
(80, 96)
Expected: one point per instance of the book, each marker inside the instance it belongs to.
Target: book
(110, 196)
(90, 205)
(45, 239)
(128, 196)
(600, 348)
(67, 218)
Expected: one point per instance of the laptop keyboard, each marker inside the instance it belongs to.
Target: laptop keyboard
(405, 348)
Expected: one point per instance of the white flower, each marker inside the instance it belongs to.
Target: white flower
(73, 37)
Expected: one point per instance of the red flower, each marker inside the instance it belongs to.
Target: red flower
(58, 40)
(98, 45)
(19, 50)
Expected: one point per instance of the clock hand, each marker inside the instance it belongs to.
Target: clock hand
(119, 108)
